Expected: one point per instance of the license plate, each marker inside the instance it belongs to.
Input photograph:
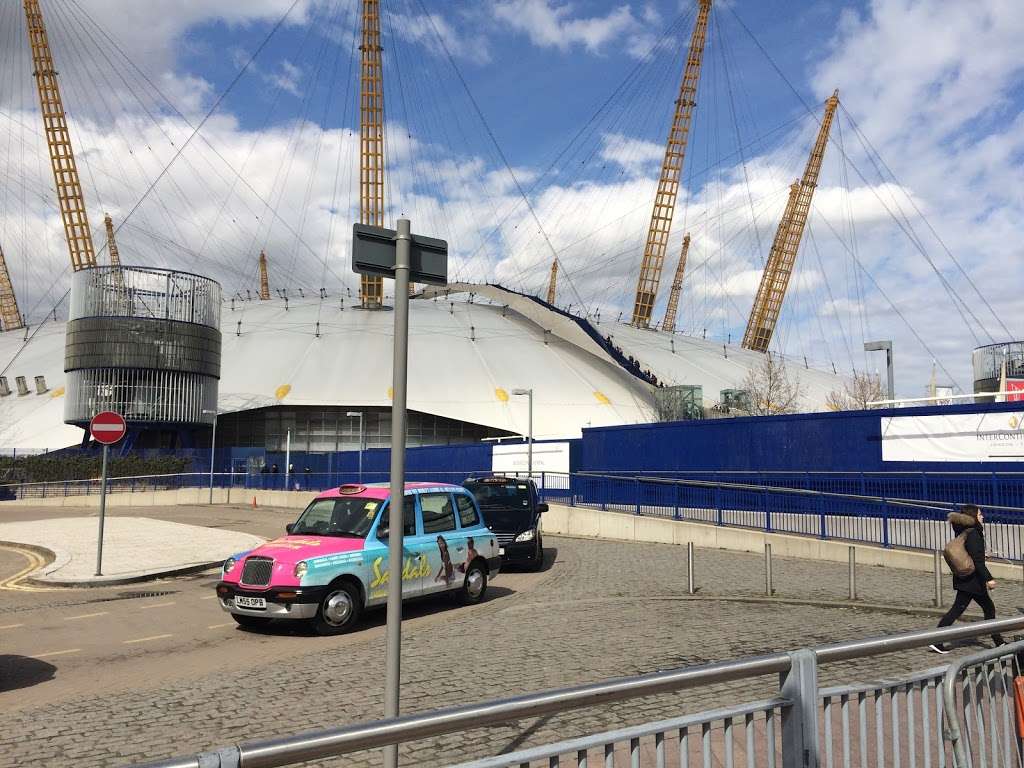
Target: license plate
(241, 601)
(501, 550)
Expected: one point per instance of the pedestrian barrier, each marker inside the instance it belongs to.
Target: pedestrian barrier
(892, 722)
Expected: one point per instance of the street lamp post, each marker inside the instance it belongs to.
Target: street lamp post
(529, 450)
(352, 415)
(213, 444)
(884, 346)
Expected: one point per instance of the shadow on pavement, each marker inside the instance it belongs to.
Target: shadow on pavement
(550, 555)
(23, 672)
(377, 616)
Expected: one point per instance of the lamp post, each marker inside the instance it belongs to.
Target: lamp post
(529, 450)
(884, 346)
(213, 444)
(352, 415)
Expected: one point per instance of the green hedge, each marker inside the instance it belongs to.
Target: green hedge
(45, 468)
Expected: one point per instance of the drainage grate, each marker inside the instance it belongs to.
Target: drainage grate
(132, 596)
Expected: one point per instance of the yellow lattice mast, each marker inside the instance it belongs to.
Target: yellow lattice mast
(669, 323)
(115, 257)
(62, 158)
(371, 140)
(671, 170)
(10, 315)
(264, 278)
(553, 282)
(779, 268)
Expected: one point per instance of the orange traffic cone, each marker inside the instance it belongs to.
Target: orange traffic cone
(254, 502)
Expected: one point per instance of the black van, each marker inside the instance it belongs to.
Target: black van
(512, 510)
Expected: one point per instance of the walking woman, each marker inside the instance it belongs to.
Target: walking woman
(977, 585)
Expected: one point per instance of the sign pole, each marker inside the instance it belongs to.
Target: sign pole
(397, 516)
(103, 511)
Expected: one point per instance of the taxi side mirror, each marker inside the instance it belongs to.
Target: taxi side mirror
(288, 528)
(542, 507)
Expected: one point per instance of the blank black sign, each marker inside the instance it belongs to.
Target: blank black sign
(373, 253)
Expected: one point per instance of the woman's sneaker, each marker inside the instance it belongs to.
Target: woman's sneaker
(938, 648)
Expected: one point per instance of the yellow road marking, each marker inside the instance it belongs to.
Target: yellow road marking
(145, 639)
(11, 626)
(35, 562)
(85, 616)
(155, 605)
(218, 626)
(55, 653)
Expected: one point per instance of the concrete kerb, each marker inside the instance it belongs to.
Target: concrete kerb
(584, 522)
(115, 581)
(175, 497)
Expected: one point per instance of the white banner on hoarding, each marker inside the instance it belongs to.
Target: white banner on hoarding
(954, 437)
(547, 457)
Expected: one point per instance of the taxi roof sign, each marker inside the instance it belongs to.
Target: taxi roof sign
(351, 488)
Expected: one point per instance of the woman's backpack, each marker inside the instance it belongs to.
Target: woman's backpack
(957, 558)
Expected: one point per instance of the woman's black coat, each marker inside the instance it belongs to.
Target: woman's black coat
(974, 543)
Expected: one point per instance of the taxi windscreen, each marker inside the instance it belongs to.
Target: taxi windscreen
(337, 517)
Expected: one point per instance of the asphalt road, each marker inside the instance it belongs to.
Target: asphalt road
(156, 632)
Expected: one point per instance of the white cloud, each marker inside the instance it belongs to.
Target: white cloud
(286, 78)
(426, 29)
(550, 24)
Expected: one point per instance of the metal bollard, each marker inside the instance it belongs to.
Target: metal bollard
(769, 588)
(689, 569)
(938, 579)
(853, 573)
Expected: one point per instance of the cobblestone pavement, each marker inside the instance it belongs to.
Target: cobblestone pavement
(603, 609)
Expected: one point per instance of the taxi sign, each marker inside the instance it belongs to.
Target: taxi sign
(107, 427)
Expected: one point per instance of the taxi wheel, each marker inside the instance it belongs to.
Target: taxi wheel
(250, 622)
(474, 585)
(339, 610)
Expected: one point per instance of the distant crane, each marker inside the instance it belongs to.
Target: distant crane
(62, 157)
(553, 283)
(777, 271)
(264, 279)
(671, 170)
(10, 316)
(669, 323)
(371, 141)
(115, 257)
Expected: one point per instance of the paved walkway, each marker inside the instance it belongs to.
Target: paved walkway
(134, 548)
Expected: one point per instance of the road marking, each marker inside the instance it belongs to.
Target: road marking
(11, 626)
(209, 597)
(218, 626)
(35, 562)
(145, 639)
(55, 653)
(85, 616)
(155, 605)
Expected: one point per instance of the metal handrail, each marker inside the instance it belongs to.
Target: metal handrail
(896, 501)
(954, 732)
(333, 742)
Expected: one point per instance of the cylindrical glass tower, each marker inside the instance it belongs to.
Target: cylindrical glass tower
(988, 365)
(143, 342)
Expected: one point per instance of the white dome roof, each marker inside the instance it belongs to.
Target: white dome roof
(465, 358)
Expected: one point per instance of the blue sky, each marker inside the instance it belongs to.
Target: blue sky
(915, 232)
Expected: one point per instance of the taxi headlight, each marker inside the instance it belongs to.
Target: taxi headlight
(300, 569)
(229, 564)
(526, 536)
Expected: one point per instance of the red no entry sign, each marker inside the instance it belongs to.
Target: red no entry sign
(107, 427)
